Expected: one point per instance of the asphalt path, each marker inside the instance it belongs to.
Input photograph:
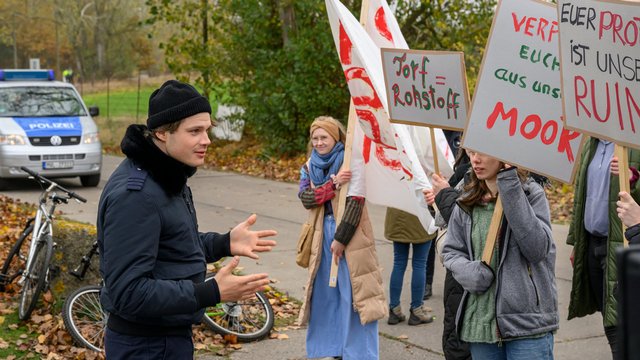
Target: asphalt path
(223, 199)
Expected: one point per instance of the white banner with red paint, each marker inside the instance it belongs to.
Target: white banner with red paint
(516, 111)
(389, 173)
(382, 27)
(600, 51)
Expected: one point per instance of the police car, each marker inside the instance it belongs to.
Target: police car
(45, 126)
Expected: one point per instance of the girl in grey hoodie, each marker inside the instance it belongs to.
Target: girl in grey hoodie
(509, 308)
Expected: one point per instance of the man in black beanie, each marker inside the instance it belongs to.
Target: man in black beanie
(152, 256)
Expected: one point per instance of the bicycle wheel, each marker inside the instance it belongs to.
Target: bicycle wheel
(249, 320)
(13, 265)
(84, 318)
(36, 279)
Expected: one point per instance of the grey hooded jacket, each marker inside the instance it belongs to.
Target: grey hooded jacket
(526, 294)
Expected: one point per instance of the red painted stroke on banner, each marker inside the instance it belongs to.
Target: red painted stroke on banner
(368, 116)
(366, 149)
(345, 46)
(381, 25)
(358, 73)
(395, 165)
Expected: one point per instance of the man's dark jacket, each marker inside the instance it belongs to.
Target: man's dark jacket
(153, 259)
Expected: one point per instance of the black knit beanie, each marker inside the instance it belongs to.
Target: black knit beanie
(174, 101)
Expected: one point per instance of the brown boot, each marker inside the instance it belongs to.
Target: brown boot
(419, 316)
(396, 316)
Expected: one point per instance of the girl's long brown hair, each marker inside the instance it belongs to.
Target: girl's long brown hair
(475, 189)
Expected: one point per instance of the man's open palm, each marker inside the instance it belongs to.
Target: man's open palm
(246, 242)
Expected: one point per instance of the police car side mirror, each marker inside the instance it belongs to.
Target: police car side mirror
(94, 111)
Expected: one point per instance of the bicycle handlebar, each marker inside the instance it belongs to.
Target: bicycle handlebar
(71, 194)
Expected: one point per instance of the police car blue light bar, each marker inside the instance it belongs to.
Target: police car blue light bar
(24, 74)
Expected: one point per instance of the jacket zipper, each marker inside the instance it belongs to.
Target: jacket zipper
(498, 269)
(535, 288)
(187, 202)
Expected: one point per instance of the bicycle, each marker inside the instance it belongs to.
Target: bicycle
(32, 267)
(248, 320)
(86, 321)
(82, 313)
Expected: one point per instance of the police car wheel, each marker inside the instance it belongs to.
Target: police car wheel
(90, 180)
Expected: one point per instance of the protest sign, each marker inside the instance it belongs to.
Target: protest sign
(600, 67)
(426, 87)
(516, 111)
(382, 27)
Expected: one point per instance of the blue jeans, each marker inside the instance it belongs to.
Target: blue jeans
(418, 272)
(525, 349)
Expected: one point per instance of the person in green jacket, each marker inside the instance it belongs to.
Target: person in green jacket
(406, 231)
(595, 232)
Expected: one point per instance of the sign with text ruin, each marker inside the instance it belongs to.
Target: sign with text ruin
(427, 88)
(600, 50)
(517, 108)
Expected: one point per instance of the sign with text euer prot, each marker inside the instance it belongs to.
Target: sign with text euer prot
(600, 52)
(516, 111)
(427, 88)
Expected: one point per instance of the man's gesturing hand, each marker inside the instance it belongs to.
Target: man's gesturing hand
(234, 288)
(247, 242)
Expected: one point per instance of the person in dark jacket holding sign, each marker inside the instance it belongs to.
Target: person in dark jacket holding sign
(445, 194)
(152, 256)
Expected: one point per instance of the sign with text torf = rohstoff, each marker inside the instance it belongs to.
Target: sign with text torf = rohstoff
(600, 51)
(427, 88)
(516, 111)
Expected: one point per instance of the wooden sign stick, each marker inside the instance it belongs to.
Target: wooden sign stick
(346, 163)
(492, 235)
(434, 150)
(623, 166)
(342, 199)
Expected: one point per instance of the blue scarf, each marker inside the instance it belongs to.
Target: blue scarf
(321, 167)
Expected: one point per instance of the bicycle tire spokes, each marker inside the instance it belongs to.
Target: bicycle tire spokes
(89, 319)
(247, 319)
(84, 318)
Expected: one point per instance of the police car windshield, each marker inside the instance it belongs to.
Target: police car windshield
(39, 102)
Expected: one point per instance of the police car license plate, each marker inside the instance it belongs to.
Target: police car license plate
(57, 164)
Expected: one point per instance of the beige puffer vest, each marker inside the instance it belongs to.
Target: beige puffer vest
(366, 280)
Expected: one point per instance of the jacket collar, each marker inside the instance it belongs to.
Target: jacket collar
(170, 173)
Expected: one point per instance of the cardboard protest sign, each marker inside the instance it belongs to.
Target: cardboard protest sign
(426, 87)
(516, 111)
(388, 170)
(600, 52)
(382, 27)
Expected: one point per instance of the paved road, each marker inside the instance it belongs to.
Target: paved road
(224, 199)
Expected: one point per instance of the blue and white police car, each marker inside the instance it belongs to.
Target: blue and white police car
(45, 126)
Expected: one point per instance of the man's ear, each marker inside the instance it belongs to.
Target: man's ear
(161, 135)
